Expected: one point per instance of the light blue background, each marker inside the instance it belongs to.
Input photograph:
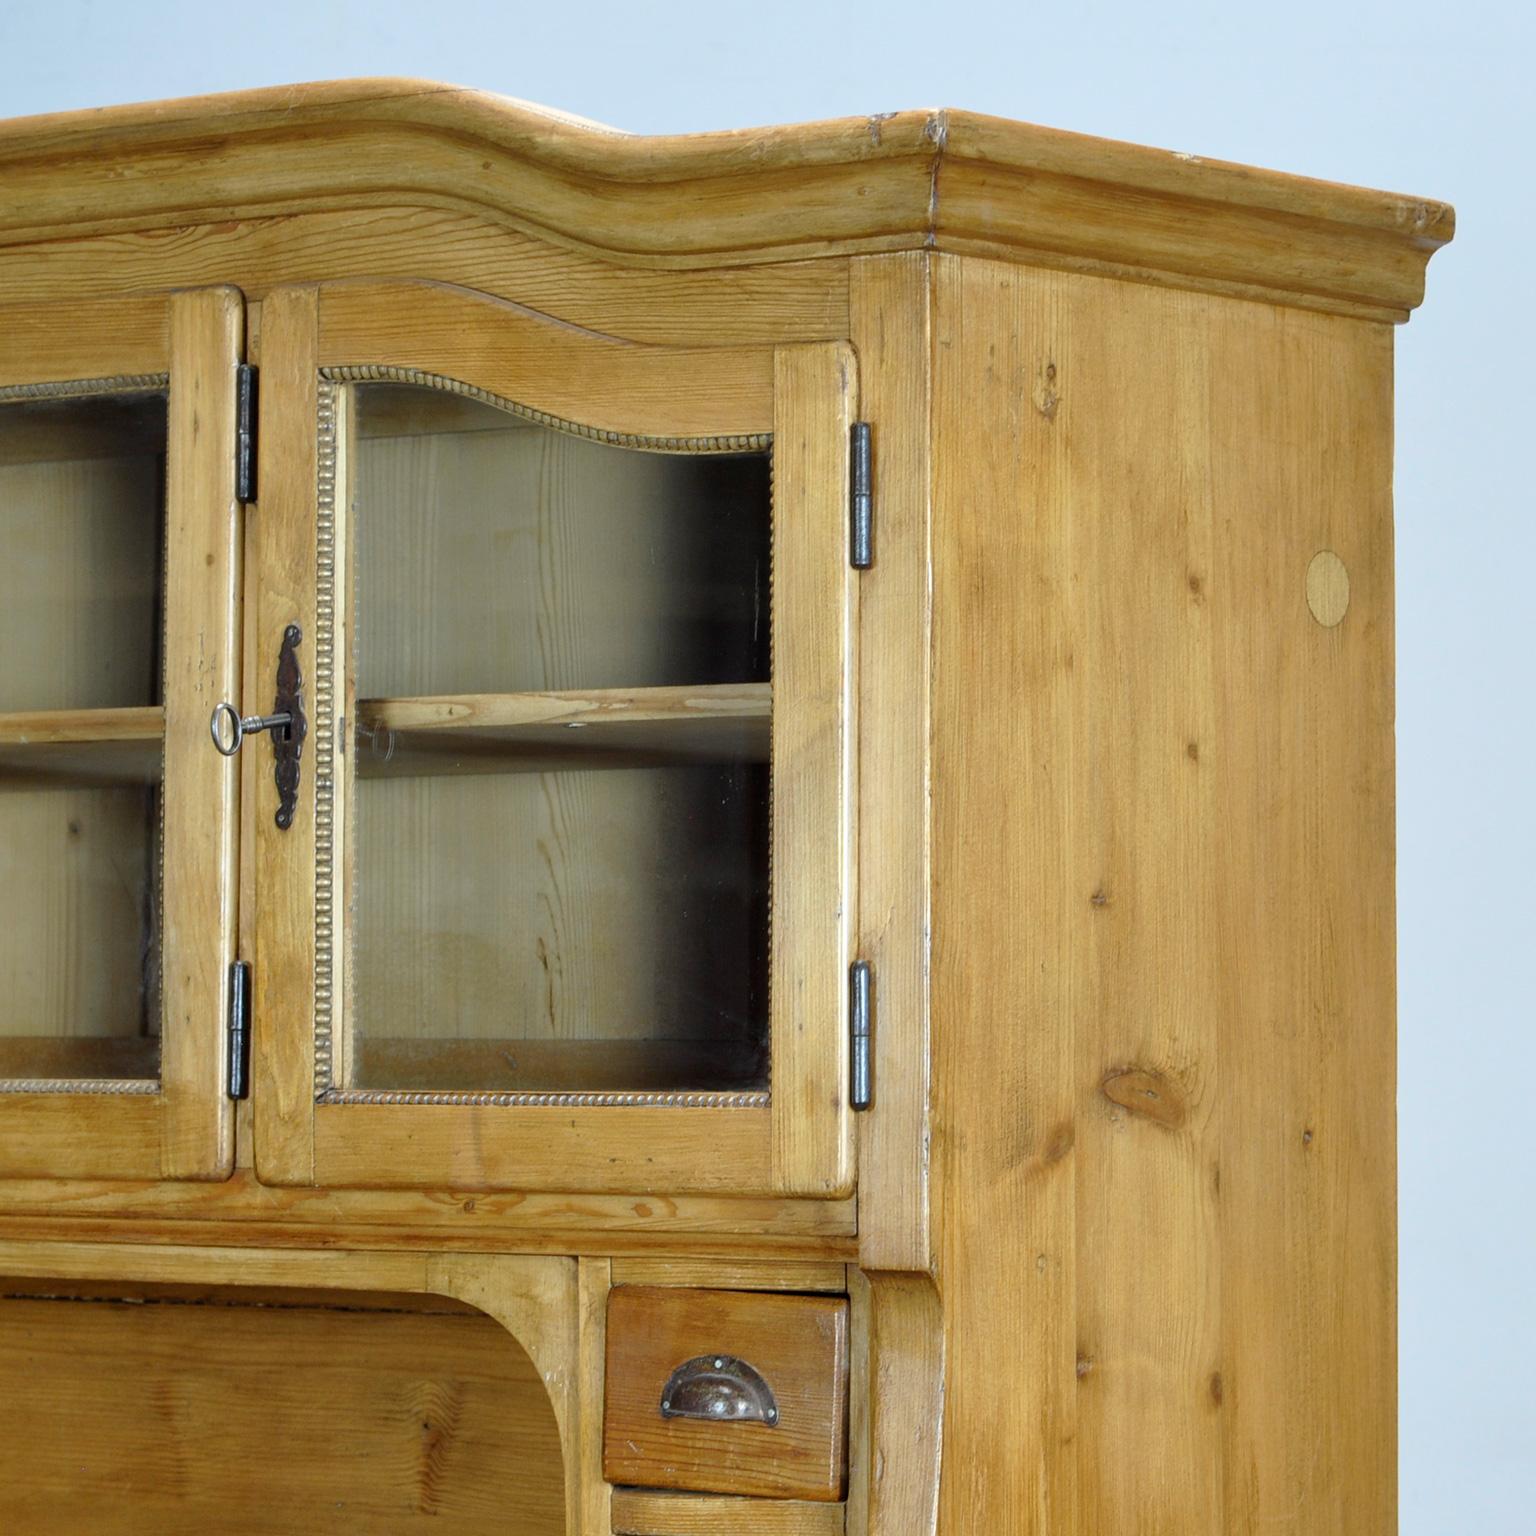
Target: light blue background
(1431, 100)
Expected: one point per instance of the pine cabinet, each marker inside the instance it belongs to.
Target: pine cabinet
(714, 815)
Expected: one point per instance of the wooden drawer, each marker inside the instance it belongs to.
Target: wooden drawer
(760, 1384)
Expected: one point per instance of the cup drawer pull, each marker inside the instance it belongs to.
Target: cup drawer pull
(719, 1388)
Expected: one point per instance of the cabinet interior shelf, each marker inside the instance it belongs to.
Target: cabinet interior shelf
(88, 1057)
(81, 747)
(541, 732)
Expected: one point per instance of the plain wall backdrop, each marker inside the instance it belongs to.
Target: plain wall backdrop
(1430, 100)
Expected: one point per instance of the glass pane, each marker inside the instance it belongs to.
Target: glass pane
(497, 556)
(560, 884)
(81, 499)
(81, 735)
(573, 930)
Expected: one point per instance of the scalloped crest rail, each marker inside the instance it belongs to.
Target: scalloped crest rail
(935, 180)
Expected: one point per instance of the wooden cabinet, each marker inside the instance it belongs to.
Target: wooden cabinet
(809, 784)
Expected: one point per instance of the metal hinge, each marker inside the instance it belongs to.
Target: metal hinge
(861, 500)
(861, 1083)
(245, 432)
(238, 1029)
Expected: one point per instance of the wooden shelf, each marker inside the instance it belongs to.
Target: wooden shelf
(540, 732)
(81, 748)
(87, 1057)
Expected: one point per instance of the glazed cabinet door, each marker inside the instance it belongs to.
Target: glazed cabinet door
(565, 902)
(119, 565)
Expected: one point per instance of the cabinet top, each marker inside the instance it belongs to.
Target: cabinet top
(932, 180)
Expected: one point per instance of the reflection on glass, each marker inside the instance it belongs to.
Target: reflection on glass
(81, 497)
(81, 525)
(497, 556)
(80, 930)
(560, 883)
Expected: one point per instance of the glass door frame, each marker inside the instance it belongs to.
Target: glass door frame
(802, 397)
(181, 1125)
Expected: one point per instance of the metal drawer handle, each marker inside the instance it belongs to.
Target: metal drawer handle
(719, 1388)
(229, 727)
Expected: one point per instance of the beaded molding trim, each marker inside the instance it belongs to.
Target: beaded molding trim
(119, 1087)
(324, 737)
(326, 1091)
(748, 1100)
(80, 389)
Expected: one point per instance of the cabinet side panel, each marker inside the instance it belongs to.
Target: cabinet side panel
(1163, 994)
(1003, 1076)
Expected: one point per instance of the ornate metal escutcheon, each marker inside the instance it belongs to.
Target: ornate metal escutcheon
(288, 743)
(721, 1389)
(287, 724)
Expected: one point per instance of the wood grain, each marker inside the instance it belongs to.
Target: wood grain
(579, 906)
(800, 1346)
(199, 880)
(891, 303)
(146, 876)
(590, 1496)
(465, 714)
(523, 356)
(532, 1298)
(1163, 890)
(815, 737)
(713, 1274)
(896, 181)
(486, 1145)
(243, 1210)
(77, 917)
(80, 1135)
(282, 591)
(596, 728)
(793, 301)
(492, 553)
(80, 727)
(637, 1512)
(81, 518)
(537, 1300)
(83, 528)
(120, 1417)
(1307, 1039)
(72, 1258)
(584, 1149)
(896, 1412)
(103, 338)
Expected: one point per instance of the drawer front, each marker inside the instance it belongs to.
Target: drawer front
(727, 1392)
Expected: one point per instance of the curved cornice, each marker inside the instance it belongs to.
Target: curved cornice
(938, 180)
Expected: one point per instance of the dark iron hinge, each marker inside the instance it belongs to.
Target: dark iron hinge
(245, 432)
(861, 500)
(861, 1084)
(238, 1028)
